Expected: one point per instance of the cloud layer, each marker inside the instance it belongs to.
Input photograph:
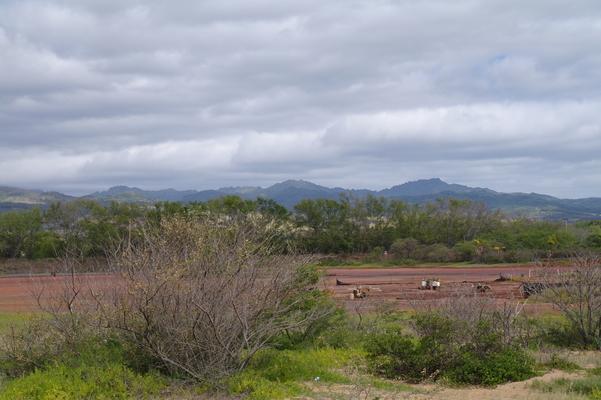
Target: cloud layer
(199, 94)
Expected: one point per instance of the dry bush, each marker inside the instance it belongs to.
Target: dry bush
(197, 296)
(470, 310)
(203, 295)
(576, 292)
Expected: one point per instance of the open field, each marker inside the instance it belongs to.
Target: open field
(18, 293)
(399, 286)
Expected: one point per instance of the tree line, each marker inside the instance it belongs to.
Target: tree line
(445, 230)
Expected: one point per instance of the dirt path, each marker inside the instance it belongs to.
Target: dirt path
(510, 391)
(516, 390)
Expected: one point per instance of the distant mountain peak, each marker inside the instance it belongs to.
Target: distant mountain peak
(423, 187)
(297, 184)
(290, 192)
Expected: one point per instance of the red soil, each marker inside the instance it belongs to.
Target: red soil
(399, 286)
(18, 293)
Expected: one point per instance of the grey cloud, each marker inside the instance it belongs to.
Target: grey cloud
(359, 93)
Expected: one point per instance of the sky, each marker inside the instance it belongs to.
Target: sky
(196, 94)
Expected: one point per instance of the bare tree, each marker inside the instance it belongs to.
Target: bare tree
(203, 295)
(576, 292)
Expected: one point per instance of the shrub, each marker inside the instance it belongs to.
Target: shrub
(438, 253)
(201, 295)
(28, 347)
(375, 255)
(449, 348)
(405, 248)
(576, 293)
(278, 374)
(95, 369)
(113, 381)
(556, 362)
(503, 365)
(466, 250)
(394, 355)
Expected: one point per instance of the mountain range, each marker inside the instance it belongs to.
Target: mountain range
(289, 193)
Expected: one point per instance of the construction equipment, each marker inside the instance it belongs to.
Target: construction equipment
(359, 293)
(429, 284)
(482, 288)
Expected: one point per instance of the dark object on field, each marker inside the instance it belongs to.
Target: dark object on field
(532, 288)
(482, 288)
(376, 283)
(504, 277)
(429, 284)
(359, 293)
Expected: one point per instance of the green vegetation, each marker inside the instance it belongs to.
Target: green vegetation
(8, 320)
(278, 374)
(93, 370)
(444, 231)
(216, 296)
(589, 386)
(372, 352)
(557, 362)
(444, 350)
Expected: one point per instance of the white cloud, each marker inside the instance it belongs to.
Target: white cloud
(355, 93)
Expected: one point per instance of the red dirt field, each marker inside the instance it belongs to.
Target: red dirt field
(399, 286)
(18, 293)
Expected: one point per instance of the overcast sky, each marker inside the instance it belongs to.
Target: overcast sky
(365, 94)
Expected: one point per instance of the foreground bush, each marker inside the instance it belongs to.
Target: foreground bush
(113, 381)
(576, 293)
(94, 370)
(279, 374)
(198, 296)
(471, 349)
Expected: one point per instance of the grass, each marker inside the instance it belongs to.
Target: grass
(280, 374)
(8, 320)
(589, 385)
(60, 381)
(96, 370)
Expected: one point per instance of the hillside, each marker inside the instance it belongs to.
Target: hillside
(290, 192)
(18, 198)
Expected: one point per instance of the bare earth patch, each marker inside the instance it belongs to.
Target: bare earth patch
(510, 391)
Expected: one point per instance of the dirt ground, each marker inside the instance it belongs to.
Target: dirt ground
(19, 293)
(400, 286)
(396, 286)
(511, 391)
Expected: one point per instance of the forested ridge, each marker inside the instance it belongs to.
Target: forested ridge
(442, 231)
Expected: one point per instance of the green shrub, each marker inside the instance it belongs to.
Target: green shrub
(505, 365)
(556, 362)
(94, 370)
(394, 355)
(113, 381)
(444, 348)
(278, 374)
(405, 248)
(465, 250)
(438, 253)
